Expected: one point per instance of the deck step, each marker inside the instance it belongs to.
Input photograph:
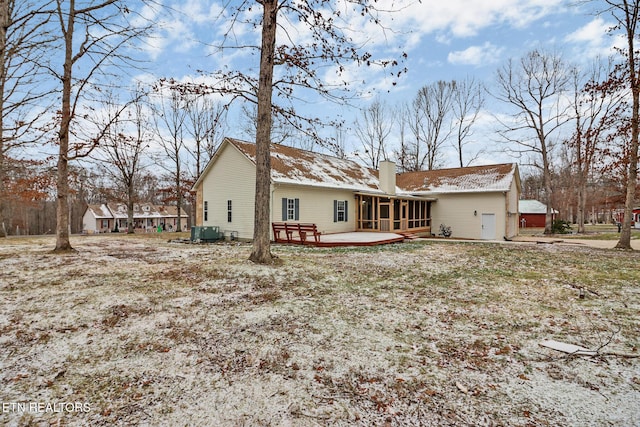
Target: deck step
(409, 236)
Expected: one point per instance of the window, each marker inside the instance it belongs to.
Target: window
(206, 211)
(229, 209)
(290, 209)
(340, 209)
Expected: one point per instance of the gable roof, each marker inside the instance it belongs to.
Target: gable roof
(100, 211)
(470, 179)
(295, 166)
(533, 207)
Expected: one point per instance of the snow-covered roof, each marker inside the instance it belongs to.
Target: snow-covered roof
(295, 166)
(470, 179)
(302, 167)
(532, 207)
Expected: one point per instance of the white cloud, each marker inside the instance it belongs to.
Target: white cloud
(488, 53)
(466, 18)
(154, 45)
(593, 39)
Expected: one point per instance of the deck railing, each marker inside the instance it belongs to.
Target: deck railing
(385, 225)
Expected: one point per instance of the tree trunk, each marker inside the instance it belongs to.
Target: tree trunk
(625, 234)
(548, 219)
(62, 206)
(581, 190)
(261, 252)
(130, 225)
(4, 24)
(179, 196)
(582, 202)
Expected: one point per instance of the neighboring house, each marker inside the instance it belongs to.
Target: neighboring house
(146, 217)
(341, 195)
(533, 213)
(636, 218)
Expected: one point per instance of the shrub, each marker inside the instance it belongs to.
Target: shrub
(560, 226)
(445, 230)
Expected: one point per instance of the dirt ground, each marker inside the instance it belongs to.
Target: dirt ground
(142, 331)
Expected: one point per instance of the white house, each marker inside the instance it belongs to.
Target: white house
(146, 217)
(341, 195)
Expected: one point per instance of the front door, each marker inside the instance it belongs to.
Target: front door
(488, 226)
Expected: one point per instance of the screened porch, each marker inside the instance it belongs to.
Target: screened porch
(393, 214)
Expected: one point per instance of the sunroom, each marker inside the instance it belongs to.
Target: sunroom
(396, 214)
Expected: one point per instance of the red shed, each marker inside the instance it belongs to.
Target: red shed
(532, 213)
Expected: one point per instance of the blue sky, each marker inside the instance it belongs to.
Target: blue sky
(444, 40)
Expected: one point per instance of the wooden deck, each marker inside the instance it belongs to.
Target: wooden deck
(358, 238)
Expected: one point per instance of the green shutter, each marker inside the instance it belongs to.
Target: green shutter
(284, 209)
(296, 205)
(346, 209)
(335, 211)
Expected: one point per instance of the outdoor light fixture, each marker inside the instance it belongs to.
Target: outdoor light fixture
(475, 213)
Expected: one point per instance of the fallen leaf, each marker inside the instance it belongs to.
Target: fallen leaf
(462, 388)
(504, 350)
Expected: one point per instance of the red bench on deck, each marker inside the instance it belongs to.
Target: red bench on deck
(303, 231)
(279, 227)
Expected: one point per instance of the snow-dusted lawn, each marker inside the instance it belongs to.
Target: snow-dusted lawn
(139, 331)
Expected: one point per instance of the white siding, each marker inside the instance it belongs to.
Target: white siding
(512, 211)
(316, 206)
(457, 211)
(232, 178)
(89, 224)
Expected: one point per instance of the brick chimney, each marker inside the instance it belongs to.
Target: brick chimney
(387, 176)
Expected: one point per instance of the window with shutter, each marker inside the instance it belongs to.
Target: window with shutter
(340, 209)
(290, 209)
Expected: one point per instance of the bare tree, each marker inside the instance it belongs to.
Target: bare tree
(431, 124)
(468, 101)
(122, 149)
(415, 152)
(23, 46)
(626, 13)
(597, 108)
(206, 121)
(105, 31)
(169, 121)
(282, 132)
(535, 87)
(340, 146)
(373, 127)
(402, 151)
